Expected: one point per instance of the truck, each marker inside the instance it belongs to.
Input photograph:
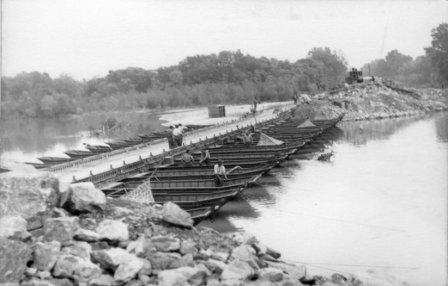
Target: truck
(354, 76)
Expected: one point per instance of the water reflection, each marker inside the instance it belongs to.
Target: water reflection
(25, 140)
(379, 208)
(441, 122)
(361, 132)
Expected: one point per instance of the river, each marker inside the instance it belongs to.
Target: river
(378, 209)
(24, 140)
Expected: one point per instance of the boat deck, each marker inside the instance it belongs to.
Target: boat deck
(83, 168)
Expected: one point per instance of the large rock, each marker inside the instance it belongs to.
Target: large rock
(165, 260)
(188, 246)
(215, 266)
(165, 243)
(125, 265)
(13, 226)
(84, 197)
(244, 252)
(128, 269)
(50, 282)
(183, 276)
(293, 271)
(113, 230)
(271, 274)
(78, 248)
(237, 270)
(70, 266)
(61, 229)
(104, 280)
(110, 258)
(140, 246)
(28, 196)
(86, 235)
(173, 214)
(14, 256)
(46, 254)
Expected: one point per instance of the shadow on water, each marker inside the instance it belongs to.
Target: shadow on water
(269, 188)
(24, 140)
(379, 203)
(441, 123)
(239, 207)
(361, 132)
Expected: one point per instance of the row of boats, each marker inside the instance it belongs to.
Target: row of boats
(92, 150)
(192, 185)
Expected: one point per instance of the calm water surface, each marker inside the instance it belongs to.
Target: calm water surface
(380, 206)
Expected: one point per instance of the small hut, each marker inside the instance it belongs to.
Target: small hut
(216, 111)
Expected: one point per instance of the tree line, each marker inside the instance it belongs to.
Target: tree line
(227, 77)
(428, 70)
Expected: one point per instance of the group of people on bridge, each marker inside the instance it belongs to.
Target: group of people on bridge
(175, 138)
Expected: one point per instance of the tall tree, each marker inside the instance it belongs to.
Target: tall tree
(438, 52)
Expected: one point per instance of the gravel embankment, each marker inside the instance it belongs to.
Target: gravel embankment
(55, 235)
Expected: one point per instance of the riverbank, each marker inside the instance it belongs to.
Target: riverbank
(362, 213)
(373, 100)
(72, 235)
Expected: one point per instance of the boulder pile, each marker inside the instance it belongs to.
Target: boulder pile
(374, 100)
(85, 239)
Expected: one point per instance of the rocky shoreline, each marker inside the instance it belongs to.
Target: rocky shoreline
(72, 235)
(57, 234)
(373, 100)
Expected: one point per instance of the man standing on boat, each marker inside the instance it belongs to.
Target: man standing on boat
(219, 172)
(171, 140)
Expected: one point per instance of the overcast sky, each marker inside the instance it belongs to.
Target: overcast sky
(87, 38)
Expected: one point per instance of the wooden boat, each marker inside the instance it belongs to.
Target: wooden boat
(232, 156)
(133, 141)
(152, 136)
(187, 184)
(98, 149)
(38, 165)
(254, 149)
(76, 154)
(234, 161)
(200, 213)
(114, 145)
(54, 160)
(195, 174)
(3, 170)
(191, 194)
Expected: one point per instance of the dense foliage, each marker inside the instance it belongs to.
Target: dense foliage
(228, 77)
(430, 70)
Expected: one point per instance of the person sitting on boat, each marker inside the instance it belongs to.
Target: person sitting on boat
(219, 172)
(252, 129)
(187, 158)
(205, 157)
(247, 138)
